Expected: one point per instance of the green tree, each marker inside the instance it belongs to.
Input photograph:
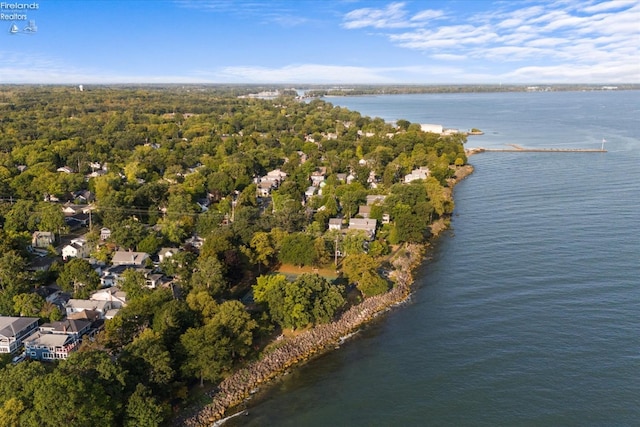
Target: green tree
(50, 217)
(129, 233)
(12, 270)
(79, 277)
(21, 216)
(143, 409)
(134, 284)
(10, 412)
(84, 402)
(263, 247)
(209, 274)
(308, 300)
(297, 249)
(29, 304)
(148, 361)
(211, 348)
(361, 269)
(150, 244)
(271, 290)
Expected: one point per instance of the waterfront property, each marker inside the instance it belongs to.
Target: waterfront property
(13, 330)
(56, 340)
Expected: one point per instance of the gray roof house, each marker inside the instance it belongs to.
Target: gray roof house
(13, 330)
(42, 239)
(129, 258)
(56, 340)
(365, 224)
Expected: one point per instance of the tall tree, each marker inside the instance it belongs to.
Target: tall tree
(144, 410)
(79, 277)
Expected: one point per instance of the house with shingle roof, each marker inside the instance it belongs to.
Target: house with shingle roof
(13, 330)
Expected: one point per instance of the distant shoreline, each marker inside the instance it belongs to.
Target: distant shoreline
(235, 389)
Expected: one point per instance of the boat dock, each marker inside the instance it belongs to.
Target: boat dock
(518, 149)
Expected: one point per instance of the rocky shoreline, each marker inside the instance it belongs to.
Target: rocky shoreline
(240, 385)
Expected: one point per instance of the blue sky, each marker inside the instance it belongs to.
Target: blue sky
(321, 41)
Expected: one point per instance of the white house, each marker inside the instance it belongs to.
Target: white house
(310, 191)
(420, 173)
(318, 176)
(167, 253)
(105, 233)
(79, 305)
(431, 128)
(335, 223)
(77, 248)
(114, 295)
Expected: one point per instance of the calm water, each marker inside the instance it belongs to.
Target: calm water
(528, 312)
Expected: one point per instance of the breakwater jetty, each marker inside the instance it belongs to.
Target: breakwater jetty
(518, 149)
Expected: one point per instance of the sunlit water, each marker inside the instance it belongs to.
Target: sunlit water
(528, 312)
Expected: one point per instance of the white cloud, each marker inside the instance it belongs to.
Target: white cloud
(302, 73)
(606, 6)
(563, 37)
(393, 16)
(274, 11)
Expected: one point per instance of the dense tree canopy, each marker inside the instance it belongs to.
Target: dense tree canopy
(160, 165)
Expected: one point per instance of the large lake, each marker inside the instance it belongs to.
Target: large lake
(528, 310)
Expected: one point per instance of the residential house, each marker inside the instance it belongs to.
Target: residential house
(65, 169)
(129, 258)
(310, 191)
(366, 224)
(75, 328)
(40, 263)
(70, 209)
(364, 211)
(77, 220)
(276, 175)
(195, 242)
(155, 280)
(42, 239)
(372, 180)
(56, 340)
(13, 331)
(269, 182)
(431, 128)
(77, 248)
(167, 253)
(366, 134)
(50, 293)
(117, 297)
(105, 233)
(318, 176)
(95, 174)
(375, 198)
(43, 346)
(90, 315)
(264, 188)
(335, 223)
(112, 275)
(83, 196)
(79, 305)
(420, 173)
